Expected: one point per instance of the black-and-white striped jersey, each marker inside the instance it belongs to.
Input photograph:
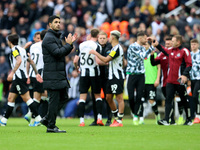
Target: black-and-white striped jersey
(37, 57)
(116, 65)
(21, 71)
(88, 64)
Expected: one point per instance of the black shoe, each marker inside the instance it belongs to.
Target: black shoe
(55, 130)
(94, 123)
(172, 122)
(108, 123)
(44, 122)
(188, 122)
(163, 122)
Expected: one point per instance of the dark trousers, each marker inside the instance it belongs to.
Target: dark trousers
(170, 91)
(195, 87)
(57, 99)
(172, 115)
(136, 82)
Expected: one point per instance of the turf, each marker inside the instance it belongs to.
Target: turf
(18, 136)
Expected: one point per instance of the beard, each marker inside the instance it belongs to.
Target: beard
(55, 29)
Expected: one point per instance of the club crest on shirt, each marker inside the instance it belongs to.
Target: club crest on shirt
(164, 57)
(178, 55)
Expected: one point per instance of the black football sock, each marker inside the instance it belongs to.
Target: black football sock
(9, 109)
(33, 107)
(81, 108)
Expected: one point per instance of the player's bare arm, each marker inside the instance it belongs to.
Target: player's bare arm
(99, 62)
(27, 69)
(27, 45)
(18, 63)
(102, 58)
(38, 77)
(124, 62)
(32, 64)
(76, 58)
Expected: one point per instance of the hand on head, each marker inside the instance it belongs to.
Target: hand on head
(153, 41)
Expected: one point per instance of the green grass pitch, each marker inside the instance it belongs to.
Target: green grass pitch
(18, 136)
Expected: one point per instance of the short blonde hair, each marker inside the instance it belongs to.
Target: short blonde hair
(103, 33)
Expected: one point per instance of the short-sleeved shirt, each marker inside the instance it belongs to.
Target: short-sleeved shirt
(21, 71)
(37, 57)
(116, 65)
(88, 64)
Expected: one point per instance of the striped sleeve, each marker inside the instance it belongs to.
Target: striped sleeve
(15, 53)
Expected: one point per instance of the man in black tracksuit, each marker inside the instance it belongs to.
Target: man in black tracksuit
(55, 81)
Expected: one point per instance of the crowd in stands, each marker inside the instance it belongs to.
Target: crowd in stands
(128, 16)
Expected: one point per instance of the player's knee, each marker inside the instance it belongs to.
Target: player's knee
(10, 99)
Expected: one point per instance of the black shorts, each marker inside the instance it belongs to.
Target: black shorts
(150, 92)
(86, 82)
(115, 86)
(19, 86)
(37, 86)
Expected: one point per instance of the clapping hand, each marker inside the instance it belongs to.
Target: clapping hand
(74, 37)
(70, 39)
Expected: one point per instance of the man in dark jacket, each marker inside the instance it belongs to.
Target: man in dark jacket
(54, 75)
